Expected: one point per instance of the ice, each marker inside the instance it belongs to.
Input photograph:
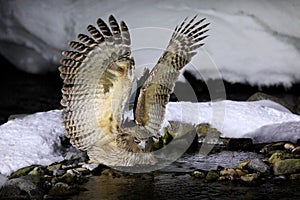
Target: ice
(34, 139)
(254, 42)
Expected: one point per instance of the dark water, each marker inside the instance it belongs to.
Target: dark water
(175, 182)
(22, 93)
(169, 186)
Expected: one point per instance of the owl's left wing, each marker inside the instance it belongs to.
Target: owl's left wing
(155, 92)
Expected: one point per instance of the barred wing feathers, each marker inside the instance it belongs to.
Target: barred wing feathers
(155, 92)
(97, 79)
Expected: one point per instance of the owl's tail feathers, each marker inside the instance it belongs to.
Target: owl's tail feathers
(114, 156)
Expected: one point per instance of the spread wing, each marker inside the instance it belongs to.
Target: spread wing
(97, 79)
(155, 92)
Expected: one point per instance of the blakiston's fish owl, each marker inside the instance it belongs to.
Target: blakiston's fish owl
(97, 79)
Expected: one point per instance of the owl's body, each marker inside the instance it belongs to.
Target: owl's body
(97, 83)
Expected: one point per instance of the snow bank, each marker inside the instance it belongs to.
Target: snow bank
(34, 139)
(263, 121)
(255, 42)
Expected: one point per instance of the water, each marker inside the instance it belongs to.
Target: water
(175, 182)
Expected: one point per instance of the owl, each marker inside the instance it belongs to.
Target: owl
(97, 80)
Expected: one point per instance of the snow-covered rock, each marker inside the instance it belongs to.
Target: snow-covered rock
(34, 139)
(255, 42)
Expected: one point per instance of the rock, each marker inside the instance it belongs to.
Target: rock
(54, 167)
(248, 178)
(19, 188)
(289, 146)
(63, 190)
(80, 156)
(278, 156)
(242, 144)
(232, 173)
(295, 176)
(242, 165)
(212, 176)
(296, 151)
(198, 174)
(258, 165)
(59, 172)
(68, 178)
(262, 96)
(37, 171)
(287, 166)
(270, 148)
(81, 171)
(22, 172)
(203, 128)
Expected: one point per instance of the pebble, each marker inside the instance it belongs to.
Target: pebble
(249, 177)
(198, 174)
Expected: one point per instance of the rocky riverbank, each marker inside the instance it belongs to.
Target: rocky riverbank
(276, 162)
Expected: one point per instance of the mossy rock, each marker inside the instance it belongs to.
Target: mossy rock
(212, 176)
(23, 171)
(288, 166)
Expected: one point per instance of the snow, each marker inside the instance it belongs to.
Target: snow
(34, 139)
(255, 42)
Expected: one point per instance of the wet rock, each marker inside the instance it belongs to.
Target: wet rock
(242, 165)
(198, 174)
(272, 148)
(212, 176)
(80, 156)
(37, 171)
(81, 171)
(289, 146)
(240, 144)
(248, 178)
(22, 172)
(278, 156)
(62, 190)
(203, 128)
(295, 176)
(262, 96)
(296, 151)
(59, 172)
(54, 167)
(19, 188)
(258, 165)
(287, 166)
(232, 173)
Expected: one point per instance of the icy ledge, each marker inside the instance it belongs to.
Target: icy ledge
(34, 139)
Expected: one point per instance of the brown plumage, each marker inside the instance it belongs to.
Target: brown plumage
(97, 79)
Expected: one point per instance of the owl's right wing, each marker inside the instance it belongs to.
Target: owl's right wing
(155, 92)
(97, 79)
